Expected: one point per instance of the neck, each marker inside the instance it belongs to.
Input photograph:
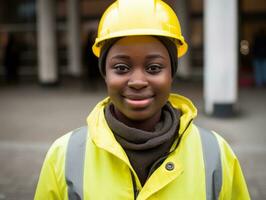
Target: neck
(146, 125)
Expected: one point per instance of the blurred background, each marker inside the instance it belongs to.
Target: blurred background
(49, 79)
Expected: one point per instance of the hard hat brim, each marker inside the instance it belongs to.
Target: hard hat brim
(180, 43)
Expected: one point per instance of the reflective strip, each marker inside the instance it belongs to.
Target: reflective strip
(74, 165)
(212, 160)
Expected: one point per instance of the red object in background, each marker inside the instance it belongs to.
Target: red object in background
(246, 78)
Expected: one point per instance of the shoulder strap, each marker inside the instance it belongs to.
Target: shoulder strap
(74, 163)
(212, 160)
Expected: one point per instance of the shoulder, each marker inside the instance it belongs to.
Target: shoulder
(58, 149)
(225, 148)
(60, 143)
(223, 144)
(210, 139)
(227, 156)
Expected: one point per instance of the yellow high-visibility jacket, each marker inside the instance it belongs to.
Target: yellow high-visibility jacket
(108, 174)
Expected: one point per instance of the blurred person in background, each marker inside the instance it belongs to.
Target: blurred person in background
(259, 58)
(11, 59)
(141, 142)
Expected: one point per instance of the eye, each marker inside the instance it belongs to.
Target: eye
(121, 68)
(154, 68)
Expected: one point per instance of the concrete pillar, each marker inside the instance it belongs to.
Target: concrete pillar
(220, 56)
(47, 54)
(181, 8)
(74, 48)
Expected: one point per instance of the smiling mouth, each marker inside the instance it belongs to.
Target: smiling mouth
(138, 102)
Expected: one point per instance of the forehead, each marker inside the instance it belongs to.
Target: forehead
(143, 43)
(138, 39)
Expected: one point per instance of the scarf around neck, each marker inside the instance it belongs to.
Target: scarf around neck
(142, 147)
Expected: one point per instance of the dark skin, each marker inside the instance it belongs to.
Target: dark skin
(138, 79)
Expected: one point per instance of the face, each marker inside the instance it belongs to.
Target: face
(138, 77)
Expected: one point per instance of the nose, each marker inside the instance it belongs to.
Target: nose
(138, 80)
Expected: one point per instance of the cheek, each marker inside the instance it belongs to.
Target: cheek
(164, 84)
(113, 84)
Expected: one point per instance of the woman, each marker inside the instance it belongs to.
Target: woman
(140, 142)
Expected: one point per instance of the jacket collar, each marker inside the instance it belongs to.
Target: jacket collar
(188, 110)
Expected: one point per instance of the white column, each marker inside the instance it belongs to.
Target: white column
(47, 55)
(181, 9)
(220, 56)
(74, 48)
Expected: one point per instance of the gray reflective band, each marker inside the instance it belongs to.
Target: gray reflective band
(74, 163)
(212, 160)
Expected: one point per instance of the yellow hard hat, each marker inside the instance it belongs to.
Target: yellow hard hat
(139, 17)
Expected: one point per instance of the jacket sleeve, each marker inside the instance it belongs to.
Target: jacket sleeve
(239, 187)
(234, 186)
(47, 187)
(52, 183)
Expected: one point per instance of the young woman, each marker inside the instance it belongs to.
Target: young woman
(140, 142)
